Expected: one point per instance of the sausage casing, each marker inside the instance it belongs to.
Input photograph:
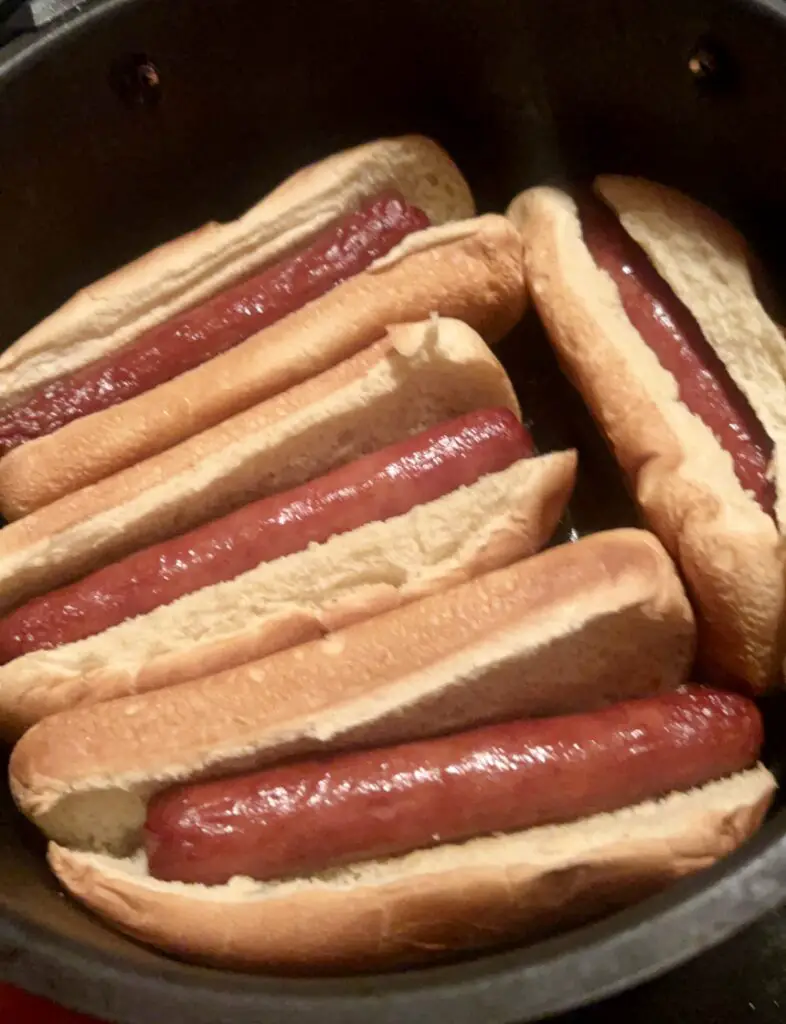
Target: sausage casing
(378, 486)
(304, 817)
(218, 324)
(674, 335)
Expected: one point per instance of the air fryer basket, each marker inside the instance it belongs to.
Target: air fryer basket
(136, 120)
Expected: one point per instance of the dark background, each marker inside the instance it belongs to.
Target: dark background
(741, 982)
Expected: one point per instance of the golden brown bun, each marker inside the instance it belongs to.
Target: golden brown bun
(421, 374)
(729, 550)
(574, 628)
(181, 273)
(469, 269)
(433, 903)
(501, 518)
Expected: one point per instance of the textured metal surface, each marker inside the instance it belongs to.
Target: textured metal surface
(21, 19)
(32, 14)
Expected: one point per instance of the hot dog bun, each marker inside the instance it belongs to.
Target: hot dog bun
(729, 550)
(431, 903)
(501, 518)
(416, 376)
(572, 628)
(109, 313)
(432, 271)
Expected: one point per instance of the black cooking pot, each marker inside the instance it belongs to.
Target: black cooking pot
(136, 120)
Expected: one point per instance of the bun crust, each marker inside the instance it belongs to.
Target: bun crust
(470, 271)
(730, 551)
(430, 904)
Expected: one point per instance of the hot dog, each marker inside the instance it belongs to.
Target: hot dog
(377, 487)
(575, 629)
(649, 301)
(412, 377)
(452, 501)
(223, 321)
(471, 271)
(672, 332)
(309, 816)
(178, 341)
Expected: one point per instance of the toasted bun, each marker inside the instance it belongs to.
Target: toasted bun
(470, 270)
(730, 551)
(501, 518)
(182, 273)
(422, 374)
(433, 903)
(573, 628)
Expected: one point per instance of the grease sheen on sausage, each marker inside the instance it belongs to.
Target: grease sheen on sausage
(339, 252)
(672, 332)
(379, 486)
(305, 817)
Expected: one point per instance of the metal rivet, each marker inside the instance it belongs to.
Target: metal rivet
(702, 64)
(136, 80)
(710, 66)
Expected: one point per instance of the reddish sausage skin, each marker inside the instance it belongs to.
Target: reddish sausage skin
(672, 332)
(223, 321)
(305, 817)
(379, 486)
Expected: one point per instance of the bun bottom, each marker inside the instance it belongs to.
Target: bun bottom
(429, 904)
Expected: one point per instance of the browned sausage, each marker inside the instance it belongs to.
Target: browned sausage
(379, 486)
(672, 332)
(305, 817)
(223, 321)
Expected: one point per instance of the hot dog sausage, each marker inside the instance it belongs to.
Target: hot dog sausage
(672, 332)
(305, 817)
(379, 486)
(196, 335)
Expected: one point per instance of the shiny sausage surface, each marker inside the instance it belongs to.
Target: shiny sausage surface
(304, 817)
(378, 486)
(672, 332)
(218, 324)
